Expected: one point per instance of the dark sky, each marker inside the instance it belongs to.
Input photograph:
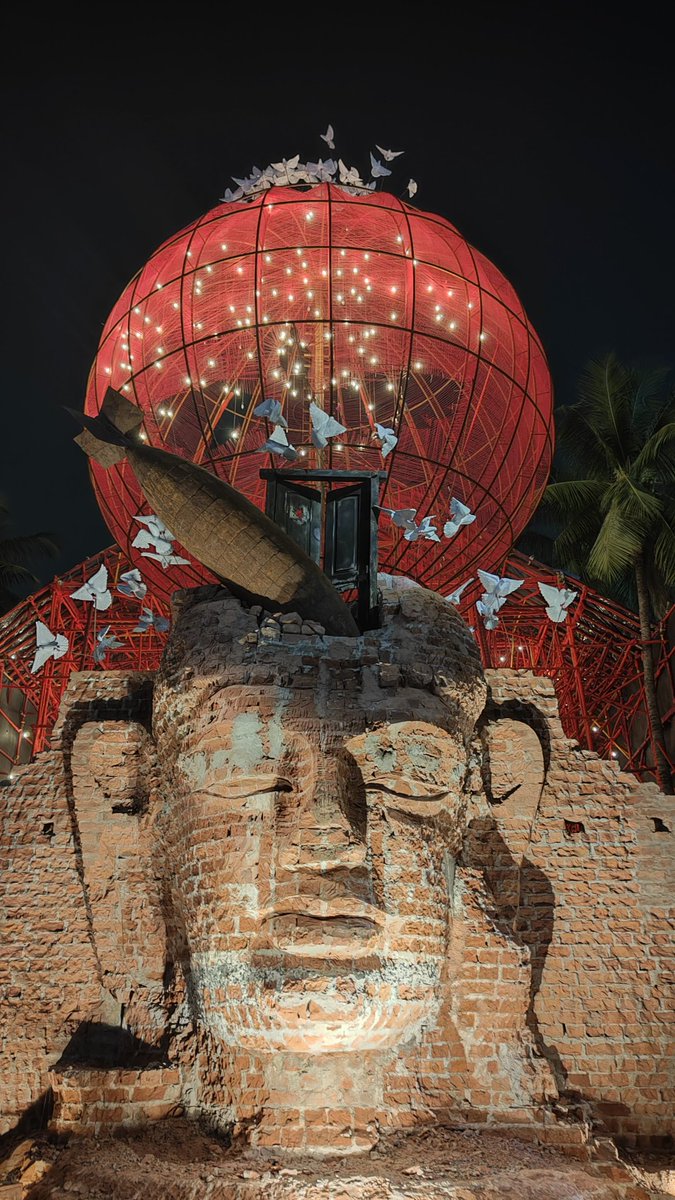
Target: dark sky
(543, 133)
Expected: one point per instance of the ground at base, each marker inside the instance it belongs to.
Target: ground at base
(175, 1160)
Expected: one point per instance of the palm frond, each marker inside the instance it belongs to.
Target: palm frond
(581, 449)
(635, 504)
(664, 553)
(653, 402)
(569, 497)
(30, 545)
(11, 573)
(573, 544)
(615, 548)
(657, 457)
(606, 390)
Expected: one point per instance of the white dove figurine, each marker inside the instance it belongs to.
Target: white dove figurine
(324, 426)
(489, 615)
(425, 529)
(272, 410)
(131, 584)
(389, 155)
(47, 645)
(557, 600)
(149, 620)
(155, 534)
(377, 171)
(277, 443)
(328, 137)
(322, 171)
(412, 188)
(498, 586)
(105, 643)
(456, 596)
(459, 515)
(404, 518)
(95, 589)
(387, 437)
(349, 175)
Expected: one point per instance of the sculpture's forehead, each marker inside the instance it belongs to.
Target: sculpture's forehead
(275, 718)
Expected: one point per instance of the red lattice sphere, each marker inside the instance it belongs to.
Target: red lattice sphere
(377, 311)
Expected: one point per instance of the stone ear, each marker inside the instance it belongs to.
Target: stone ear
(514, 780)
(112, 778)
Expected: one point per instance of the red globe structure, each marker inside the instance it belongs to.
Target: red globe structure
(381, 314)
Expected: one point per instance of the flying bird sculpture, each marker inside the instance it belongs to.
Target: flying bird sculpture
(387, 437)
(323, 426)
(149, 620)
(95, 589)
(278, 443)
(161, 539)
(456, 596)
(328, 137)
(389, 155)
(498, 587)
(47, 645)
(404, 518)
(425, 529)
(349, 175)
(131, 584)
(460, 515)
(377, 171)
(288, 171)
(488, 613)
(104, 643)
(558, 600)
(412, 188)
(272, 410)
(321, 172)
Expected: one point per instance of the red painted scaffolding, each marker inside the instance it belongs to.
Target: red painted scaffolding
(593, 658)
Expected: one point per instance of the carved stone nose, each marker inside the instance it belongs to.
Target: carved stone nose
(325, 829)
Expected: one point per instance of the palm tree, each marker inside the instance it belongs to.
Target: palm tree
(616, 501)
(15, 552)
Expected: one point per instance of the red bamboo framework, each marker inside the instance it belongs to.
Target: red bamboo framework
(593, 658)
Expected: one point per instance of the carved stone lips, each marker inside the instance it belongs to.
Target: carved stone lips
(326, 910)
(310, 926)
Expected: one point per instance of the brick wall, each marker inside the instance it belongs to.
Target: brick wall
(597, 885)
(89, 1100)
(554, 961)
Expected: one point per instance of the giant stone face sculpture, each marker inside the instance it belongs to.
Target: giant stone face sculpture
(313, 809)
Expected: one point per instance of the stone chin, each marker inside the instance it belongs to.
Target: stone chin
(290, 1007)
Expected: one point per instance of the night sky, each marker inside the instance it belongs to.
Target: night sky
(545, 138)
